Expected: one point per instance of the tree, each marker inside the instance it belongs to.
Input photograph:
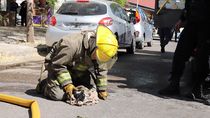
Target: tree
(121, 2)
(51, 3)
(30, 28)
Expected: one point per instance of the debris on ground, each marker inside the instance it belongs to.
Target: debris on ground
(84, 96)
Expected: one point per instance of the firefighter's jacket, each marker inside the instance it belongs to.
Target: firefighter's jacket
(72, 53)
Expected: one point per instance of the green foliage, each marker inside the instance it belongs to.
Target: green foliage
(121, 2)
(51, 2)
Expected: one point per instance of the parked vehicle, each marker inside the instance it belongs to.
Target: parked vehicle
(143, 27)
(78, 15)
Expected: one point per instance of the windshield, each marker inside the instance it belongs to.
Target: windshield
(78, 8)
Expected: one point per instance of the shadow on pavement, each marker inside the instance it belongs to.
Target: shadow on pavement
(146, 71)
(32, 92)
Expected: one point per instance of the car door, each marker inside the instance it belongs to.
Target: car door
(149, 30)
(146, 26)
(142, 22)
(128, 33)
(119, 23)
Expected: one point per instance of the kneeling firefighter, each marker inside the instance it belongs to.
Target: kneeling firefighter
(76, 60)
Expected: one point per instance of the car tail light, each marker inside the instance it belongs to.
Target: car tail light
(136, 33)
(53, 21)
(137, 16)
(106, 21)
(82, 0)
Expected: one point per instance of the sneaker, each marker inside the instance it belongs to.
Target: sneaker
(170, 90)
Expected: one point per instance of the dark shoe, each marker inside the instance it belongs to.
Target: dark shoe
(163, 50)
(199, 98)
(198, 95)
(195, 97)
(170, 90)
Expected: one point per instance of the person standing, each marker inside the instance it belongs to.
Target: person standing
(194, 19)
(23, 13)
(13, 7)
(165, 34)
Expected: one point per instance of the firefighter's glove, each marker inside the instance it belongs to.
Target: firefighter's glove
(69, 88)
(103, 95)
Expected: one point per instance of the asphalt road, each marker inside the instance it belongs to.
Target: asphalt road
(133, 84)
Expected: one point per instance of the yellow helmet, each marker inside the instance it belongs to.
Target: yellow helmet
(106, 42)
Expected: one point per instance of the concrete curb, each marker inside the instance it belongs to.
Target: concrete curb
(8, 66)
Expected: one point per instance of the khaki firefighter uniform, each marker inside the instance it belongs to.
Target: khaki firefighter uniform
(70, 61)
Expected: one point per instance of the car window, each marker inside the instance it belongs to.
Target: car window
(115, 10)
(123, 14)
(142, 14)
(145, 16)
(118, 11)
(89, 8)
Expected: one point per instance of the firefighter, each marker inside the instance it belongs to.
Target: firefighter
(195, 30)
(77, 59)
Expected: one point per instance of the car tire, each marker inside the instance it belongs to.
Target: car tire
(140, 45)
(149, 44)
(132, 48)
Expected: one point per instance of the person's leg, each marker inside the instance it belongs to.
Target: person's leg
(162, 38)
(54, 91)
(50, 88)
(182, 53)
(22, 21)
(202, 65)
(168, 35)
(175, 35)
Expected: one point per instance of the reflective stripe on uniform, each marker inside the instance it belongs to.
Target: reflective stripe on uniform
(64, 76)
(81, 67)
(101, 82)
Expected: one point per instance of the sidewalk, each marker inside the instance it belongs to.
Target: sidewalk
(14, 48)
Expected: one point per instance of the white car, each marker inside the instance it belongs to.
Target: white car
(77, 15)
(143, 27)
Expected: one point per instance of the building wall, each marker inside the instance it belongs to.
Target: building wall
(146, 3)
(3, 5)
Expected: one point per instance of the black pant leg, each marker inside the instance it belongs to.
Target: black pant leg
(168, 35)
(162, 36)
(183, 52)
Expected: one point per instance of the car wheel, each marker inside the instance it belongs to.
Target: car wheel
(149, 44)
(132, 48)
(140, 45)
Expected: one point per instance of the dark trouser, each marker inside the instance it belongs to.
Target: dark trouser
(202, 63)
(165, 36)
(184, 49)
(23, 21)
(52, 90)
